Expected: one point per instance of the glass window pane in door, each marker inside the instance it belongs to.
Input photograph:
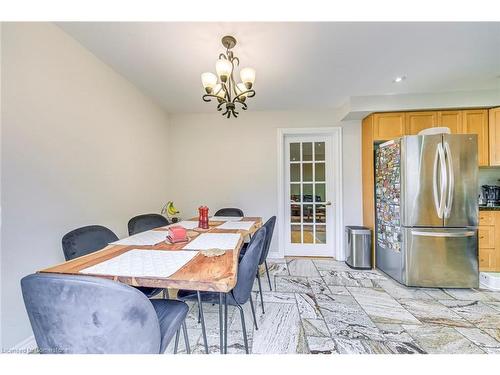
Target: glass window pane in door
(295, 213)
(308, 213)
(319, 151)
(294, 172)
(308, 234)
(294, 151)
(320, 171)
(307, 172)
(307, 152)
(295, 234)
(320, 193)
(320, 234)
(320, 213)
(295, 192)
(307, 193)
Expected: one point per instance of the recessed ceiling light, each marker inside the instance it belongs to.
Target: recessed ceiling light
(399, 79)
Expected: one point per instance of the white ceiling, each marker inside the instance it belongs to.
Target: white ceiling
(299, 65)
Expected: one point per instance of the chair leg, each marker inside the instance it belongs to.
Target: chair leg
(221, 332)
(260, 290)
(253, 312)
(268, 278)
(177, 340)
(243, 327)
(225, 323)
(199, 314)
(202, 318)
(186, 339)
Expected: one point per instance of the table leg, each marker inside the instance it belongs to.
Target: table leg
(202, 318)
(225, 323)
(221, 331)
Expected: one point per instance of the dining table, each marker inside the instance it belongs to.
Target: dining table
(202, 272)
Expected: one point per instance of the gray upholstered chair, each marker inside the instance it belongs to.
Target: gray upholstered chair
(83, 314)
(146, 222)
(86, 240)
(230, 211)
(241, 293)
(263, 258)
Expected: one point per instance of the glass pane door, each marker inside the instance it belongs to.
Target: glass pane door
(308, 213)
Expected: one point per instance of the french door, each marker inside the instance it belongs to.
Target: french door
(308, 196)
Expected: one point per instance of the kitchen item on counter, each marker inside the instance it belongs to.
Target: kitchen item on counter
(490, 195)
(358, 247)
(426, 190)
(493, 195)
(483, 196)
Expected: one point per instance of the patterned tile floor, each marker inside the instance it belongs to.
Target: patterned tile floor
(323, 306)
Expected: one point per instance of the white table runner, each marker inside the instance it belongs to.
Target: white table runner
(245, 225)
(143, 263)
(205, 241)
(150, 237)
(224, 218)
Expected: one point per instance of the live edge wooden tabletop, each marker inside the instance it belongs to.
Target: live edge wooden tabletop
(216, 274)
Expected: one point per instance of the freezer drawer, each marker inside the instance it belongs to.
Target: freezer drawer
(445, 258)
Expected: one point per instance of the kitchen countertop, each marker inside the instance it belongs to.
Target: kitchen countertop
(486, 208)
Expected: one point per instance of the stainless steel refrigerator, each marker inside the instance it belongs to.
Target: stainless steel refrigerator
(426, 193)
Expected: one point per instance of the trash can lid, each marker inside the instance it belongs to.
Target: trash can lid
(357, 229)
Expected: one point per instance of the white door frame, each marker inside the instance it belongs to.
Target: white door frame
(336, 163)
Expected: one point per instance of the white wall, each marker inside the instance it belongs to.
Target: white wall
(80, 145)
(221, 162)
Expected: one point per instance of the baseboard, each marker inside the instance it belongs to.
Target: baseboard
(275, 255)
(27, 346)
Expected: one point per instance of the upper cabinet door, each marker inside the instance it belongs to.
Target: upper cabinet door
(451, 120)
(417, 121)
(388, 126)
(475, 121)
(494, 128)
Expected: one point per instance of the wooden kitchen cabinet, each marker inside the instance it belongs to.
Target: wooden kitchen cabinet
(388, 125)
(451, 120)
(475, 121)
(494, 136)
(417, 121)
(489, 240)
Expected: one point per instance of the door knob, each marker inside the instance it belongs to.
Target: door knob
(328, 203)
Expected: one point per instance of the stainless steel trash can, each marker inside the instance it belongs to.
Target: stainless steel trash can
(358, 246)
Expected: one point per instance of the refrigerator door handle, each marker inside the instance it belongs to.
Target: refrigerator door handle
(434, 182)
(450, 180)
(468, 233)
(439, 202)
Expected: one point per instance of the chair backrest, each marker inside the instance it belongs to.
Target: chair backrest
(229, 211)
(247, 269)
(86, 240)
(82, 314)
(269, 225)
(146, 222)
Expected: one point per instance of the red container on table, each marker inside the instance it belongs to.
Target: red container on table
(203, 217)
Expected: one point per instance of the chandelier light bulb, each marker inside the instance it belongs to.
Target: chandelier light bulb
(208, 80)
(240, 87)
(247, 77)
(224, 69)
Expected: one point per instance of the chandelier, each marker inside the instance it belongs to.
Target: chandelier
(223, 87)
